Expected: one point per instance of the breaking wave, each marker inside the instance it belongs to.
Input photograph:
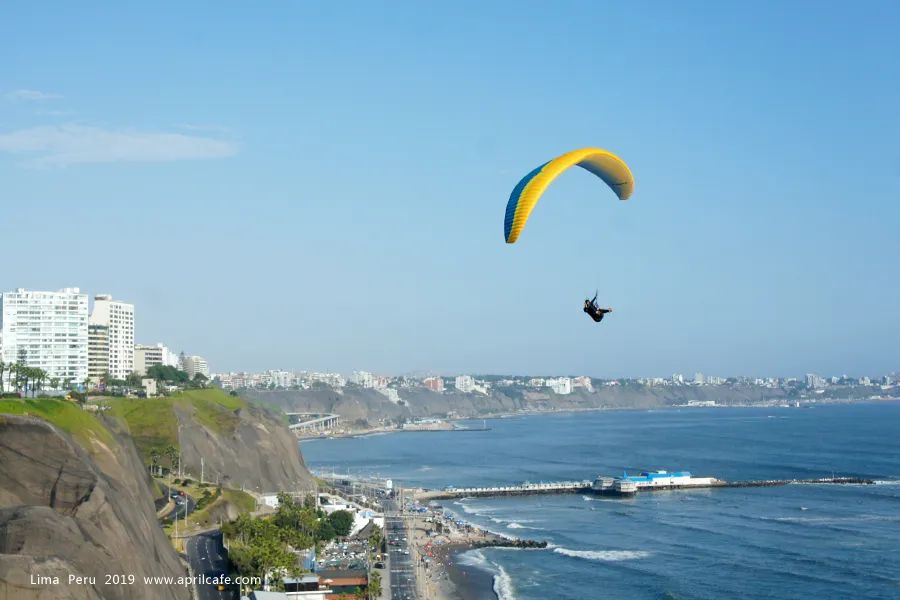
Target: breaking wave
(503, 584)
(603, 555)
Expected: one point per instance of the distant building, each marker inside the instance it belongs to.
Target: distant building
(699, 379)
(435, 384)
(814, 382)
(583, 382)
(305, 587)
(363, 379)
(149, 386)
(118, 318)
(344, 581)
(98, 352)
(465, 384)
(560, 385)
(192, 365)
(146, 356)
(335, 380)
(537, 382)
(47, 330)
(678, 379)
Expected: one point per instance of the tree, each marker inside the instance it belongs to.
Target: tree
(374, 589)
(168, 374)
(17, 368)
(375, 537)
(171, 452)
(40, 376)
(2, 370)
(342, 522)
(133, 380)
(54, 383)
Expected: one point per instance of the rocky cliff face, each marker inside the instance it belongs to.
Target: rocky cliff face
(363, 406)
(66, 511)
(255, 451)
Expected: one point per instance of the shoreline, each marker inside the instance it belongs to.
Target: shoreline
(438, 541)
(572, 411)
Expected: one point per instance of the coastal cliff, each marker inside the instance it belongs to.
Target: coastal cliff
(77, 504)
(240, 445)
(255, 451)
(367, 407)
(76, 498)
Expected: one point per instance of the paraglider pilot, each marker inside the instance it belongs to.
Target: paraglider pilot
(594, 311)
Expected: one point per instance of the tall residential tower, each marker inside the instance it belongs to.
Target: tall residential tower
(118, 318)
(47, 330)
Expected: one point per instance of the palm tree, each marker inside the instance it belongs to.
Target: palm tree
(374, 588)
(32, 374)
(2, 369)
(40, 376)
(14, 368)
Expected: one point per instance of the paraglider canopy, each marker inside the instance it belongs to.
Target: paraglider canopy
(602, 163)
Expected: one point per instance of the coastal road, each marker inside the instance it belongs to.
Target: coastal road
(208, 557)
(402, 571)
(186, 503)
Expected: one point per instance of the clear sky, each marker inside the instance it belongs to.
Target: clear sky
(322, 185)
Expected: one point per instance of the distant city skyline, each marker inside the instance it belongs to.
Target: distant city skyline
(298, 187)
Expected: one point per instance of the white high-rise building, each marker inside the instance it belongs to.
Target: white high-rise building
(560, 385)
(146, 356)
(195, 364)
(47, 330)
(814, 381)
(118, 317)
(363, 379)
(465, 384)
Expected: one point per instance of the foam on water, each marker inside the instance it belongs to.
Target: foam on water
(503, 584)
(603, 555)
(474, 558)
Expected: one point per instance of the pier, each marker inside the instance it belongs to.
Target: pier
(587, 487)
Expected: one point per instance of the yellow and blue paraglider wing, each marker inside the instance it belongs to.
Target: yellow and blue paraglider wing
(605, 165)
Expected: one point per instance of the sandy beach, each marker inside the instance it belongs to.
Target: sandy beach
(438, 541)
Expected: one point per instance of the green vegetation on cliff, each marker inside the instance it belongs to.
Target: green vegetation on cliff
(81, 425)
(213, 408)
(153, 423)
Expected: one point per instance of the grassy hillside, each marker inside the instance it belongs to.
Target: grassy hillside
(153, 424)
(82, 425)
(213, 408)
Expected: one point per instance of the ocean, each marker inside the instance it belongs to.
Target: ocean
(796, 541)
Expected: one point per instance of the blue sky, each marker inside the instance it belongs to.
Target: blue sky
(323, 187)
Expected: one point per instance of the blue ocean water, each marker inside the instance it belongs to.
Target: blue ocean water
(796, 541)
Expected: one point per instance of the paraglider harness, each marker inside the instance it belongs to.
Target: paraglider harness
(593, 311)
